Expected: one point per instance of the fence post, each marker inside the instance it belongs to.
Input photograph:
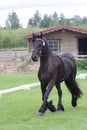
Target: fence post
(15, 59)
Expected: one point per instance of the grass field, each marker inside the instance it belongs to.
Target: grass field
(18, 110)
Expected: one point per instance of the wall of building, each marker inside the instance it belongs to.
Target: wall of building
(68, 41)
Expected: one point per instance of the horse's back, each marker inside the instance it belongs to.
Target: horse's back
(67, 55)
(68, 61)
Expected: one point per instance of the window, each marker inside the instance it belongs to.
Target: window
(54, 45)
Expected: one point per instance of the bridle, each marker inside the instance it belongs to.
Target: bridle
(39, 39)
(43, 42)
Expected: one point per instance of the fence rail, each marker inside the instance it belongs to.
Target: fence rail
(80, 56)
(10, 55)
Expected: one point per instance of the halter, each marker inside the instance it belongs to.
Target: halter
(39, 39)
(43, 42)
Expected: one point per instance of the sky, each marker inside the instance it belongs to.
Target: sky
(25, 9)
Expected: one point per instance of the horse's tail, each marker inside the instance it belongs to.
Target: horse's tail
(73, 88)
(77, 92)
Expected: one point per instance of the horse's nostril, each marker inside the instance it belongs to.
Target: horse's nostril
(34, 58)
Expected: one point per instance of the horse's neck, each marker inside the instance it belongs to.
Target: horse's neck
(45, 55)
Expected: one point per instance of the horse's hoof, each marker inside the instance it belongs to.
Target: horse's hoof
(40, 113)
(51, 107)
(74, 103)
(60, 109)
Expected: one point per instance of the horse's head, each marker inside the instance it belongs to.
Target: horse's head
(38, 43)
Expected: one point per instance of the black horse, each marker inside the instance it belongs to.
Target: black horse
(53, 70)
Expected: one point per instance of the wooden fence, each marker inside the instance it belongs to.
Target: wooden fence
(16, 55)
(11, 55)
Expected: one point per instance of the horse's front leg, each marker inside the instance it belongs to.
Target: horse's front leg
(60, 106)
(45, 97)
(43, 88)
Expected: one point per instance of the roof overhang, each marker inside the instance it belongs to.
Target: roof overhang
(58, 28)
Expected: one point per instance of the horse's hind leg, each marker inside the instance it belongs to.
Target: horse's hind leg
(60, 106)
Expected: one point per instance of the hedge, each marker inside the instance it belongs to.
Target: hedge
(14, 38)
(82, 64)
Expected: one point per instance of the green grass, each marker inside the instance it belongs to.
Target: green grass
(18, 110)
(9, 81)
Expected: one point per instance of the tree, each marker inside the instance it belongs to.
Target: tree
(35, 20)
(55, 19)
(76, 20)
(13, 21)
(84, 20)
(62, 19)
(30, 22)
(45, 22)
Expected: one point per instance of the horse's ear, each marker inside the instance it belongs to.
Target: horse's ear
(33, 36)
(41, 35)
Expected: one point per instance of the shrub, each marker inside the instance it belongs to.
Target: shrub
(82, 64)
(14, 38)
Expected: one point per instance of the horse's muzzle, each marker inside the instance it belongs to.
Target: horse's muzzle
(34, 58)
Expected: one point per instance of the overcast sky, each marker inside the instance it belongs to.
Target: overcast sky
(26, 8)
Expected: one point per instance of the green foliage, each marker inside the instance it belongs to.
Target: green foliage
(12, 80)
(45, 23)
(46, 20)
(10, 38)
(18, 110)
(12, 22)
(55, 20)
(35, 20)
(82, 64)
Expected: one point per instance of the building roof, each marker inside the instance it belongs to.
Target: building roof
(58, 28)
